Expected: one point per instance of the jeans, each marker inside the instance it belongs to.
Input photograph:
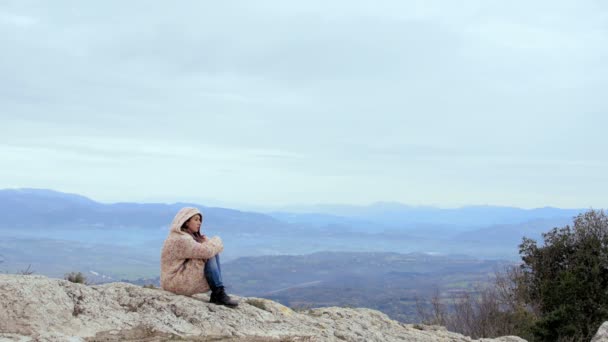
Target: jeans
(213, 272)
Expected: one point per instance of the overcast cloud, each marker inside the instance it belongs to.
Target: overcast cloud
(274, 102)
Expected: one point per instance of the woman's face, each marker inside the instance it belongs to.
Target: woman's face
(194, 223)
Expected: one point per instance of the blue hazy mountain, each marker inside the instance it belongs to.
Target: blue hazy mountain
(393, 214)
(48, 208)
(139, 229)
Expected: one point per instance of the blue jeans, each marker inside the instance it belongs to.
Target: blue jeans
(213, 272)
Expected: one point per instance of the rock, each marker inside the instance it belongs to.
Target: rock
(37, 308)
(602, 334)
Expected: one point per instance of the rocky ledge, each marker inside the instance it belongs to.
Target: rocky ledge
(37, 308)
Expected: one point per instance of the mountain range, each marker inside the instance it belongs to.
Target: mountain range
(38, 225)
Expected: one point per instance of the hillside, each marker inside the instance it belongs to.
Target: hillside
(389, 282)
(44, 309)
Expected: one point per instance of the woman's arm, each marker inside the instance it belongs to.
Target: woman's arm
(187, 248)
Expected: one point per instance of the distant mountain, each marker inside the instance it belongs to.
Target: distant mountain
(35, 208)
(330, 222)
(399, 215)
(482, 231)
(511, 233)
(48, 207)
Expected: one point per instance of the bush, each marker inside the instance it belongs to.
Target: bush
(557, 294)
(76, 277)
(567, 277)
(495, 310)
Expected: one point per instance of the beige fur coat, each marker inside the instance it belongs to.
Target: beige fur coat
(183, 259)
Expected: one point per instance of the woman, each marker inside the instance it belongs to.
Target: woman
(190, 262)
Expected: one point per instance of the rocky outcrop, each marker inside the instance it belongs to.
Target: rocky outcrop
(37, 308)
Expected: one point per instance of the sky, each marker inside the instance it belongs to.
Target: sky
(272, 103)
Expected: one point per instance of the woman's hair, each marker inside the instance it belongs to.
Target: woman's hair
(184, 224)
(196, 236)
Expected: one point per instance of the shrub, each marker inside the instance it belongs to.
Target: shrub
(566, 278)
(491, 311)
(557, 294)
(27, 271)
(76, 277)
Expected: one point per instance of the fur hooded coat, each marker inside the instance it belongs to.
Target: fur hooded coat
(183, 259)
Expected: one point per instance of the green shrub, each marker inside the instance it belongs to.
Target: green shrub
(566, 279)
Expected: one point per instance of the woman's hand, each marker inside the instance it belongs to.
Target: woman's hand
(216, 240)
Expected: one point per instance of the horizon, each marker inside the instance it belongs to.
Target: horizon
(300, 207)
(431, 103)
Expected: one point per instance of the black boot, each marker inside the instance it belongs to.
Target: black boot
(219, 296)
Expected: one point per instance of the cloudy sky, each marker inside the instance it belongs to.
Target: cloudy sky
(270, 103)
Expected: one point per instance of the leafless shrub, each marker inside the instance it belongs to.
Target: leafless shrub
(437, 314)
(27, 271)
(493, 310)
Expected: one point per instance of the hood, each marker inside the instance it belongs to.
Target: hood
(182, 216)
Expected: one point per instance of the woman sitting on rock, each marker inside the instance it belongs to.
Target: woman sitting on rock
(190, 261)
